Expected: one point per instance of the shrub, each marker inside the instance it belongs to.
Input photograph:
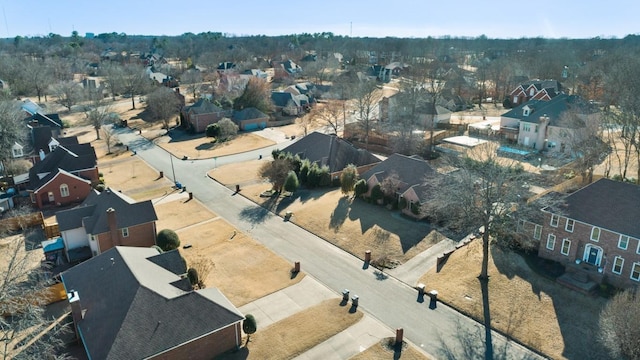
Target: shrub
(228, 128)
(313, 177)
(325, 176)
(291, 183)
(305, 166)
(212, 130)
(376, 193)
(158, 249)
(402, 204)
(415, 208)
(360, 187)
(249, 325)
(192, 275)
(100, 187)
(348, 178)
(167, 239)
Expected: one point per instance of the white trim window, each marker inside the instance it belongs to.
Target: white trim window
(537, 232)
(635, 272)
(595, 233)
(618, 264)
(569, 225)
(125, 232)
(623, 242)
(554, 220)
(64, 190)
(566, 247)
(17, 152)
(551, 242)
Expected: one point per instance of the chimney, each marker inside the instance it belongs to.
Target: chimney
(76, 310)
(41, 154)
(113, 227)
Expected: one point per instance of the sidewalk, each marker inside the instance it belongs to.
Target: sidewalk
(411, 271)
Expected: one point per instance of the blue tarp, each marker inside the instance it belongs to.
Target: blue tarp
(52, 245)
(513, 150)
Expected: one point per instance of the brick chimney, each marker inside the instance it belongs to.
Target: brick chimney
(113, 227)
(76, 310)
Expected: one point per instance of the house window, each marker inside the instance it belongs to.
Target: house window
(537, 232)
(566, 246)
(64, 190)
(536, 130)
(595, 233)
(551, 242)
(520, 225)
(125, 232)
(515, 99)
(623, 242)
(17, 152)
(569, 225)
(618, 262)
(635, 272)
(526, 127)
(92, 237)
(531, 92)
(554, 220)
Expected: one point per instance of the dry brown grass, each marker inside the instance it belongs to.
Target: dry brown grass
(133, 177)
(243, 270)
(381, 351)
(352, 225)
(202, 148)
(298, 333)
(534, 310)
(171, 214)
(238, 173)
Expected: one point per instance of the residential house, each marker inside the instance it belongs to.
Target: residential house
(64, 176)
(201, 114)
(596, 233)
(104, 220)
(226, 67)
(136, 303)
(534, 90)
(552, 125)
(288, 103)
(285, 69)
(333, 152)
(394, 107)
(409, 175)
(250, 119)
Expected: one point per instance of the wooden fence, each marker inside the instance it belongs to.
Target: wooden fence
(22, 222)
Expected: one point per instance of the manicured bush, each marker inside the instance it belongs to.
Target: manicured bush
(402, 204)
(360, 187)
(376, 193)
(167, 239)
(291, 183)
(304, 171)
(192, 275)
(212, 130)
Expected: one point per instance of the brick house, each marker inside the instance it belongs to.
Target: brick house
(250, 119)
(104, 220)
(136, 303)
(596, 233)
(61, 177)
(409, 174)
(534, 90)
(201, 114)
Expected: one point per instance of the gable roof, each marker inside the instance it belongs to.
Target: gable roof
(411, 171)
(593, 205)
(248, 114)
(203, 106)
(47, 120)
(57, 174)
(282, 98)
(330, 150)
(553, 109)
(92, 213)
(133, 310)
(71, 158)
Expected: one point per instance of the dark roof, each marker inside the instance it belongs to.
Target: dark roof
(330, 150)
(282, 98)
(132, 309)
(412, 171)
(71, 158)
(47, 119)
(92, 213)
(248, 114)
(40, 137)
(203, 106)
(553, 109)
(58, 172)
(594, 204)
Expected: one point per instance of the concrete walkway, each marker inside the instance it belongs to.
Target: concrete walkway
(309, 292)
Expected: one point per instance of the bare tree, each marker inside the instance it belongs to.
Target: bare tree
(12, 129)
(109, 136)
(619, 331)
(68, 93)
(366, 103)
(133, 80)
(329, 113)
(112, 73)
(228, 129)
(192, 80)
(276, 172)
(97, 114)
(586, 142)
(25, 333)
(35, 76)
(256, 94)
(163, 104)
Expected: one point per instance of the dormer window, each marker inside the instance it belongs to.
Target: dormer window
(532, 92)
(526, 111)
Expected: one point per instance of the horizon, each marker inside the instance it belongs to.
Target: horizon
(374, 19)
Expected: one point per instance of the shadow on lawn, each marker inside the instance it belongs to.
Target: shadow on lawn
(409, 231)
(254, 214)
(577, 313)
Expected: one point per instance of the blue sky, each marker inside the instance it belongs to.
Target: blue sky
(375, 18)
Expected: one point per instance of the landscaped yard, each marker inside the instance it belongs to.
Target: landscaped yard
(533, 309)
(298, 333)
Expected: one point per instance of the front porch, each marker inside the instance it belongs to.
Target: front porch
(582, 277)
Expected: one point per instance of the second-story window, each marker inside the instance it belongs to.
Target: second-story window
(595, 234)
(554, 220)
(569, 226)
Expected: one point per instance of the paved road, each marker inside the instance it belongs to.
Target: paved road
(440, 331)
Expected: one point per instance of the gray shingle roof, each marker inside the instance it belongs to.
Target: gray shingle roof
(608, 204)
(412, 171)
(93, 212)
(331, 151)
(553, 108)
(203, 106)
(71, 158)
(133, 311)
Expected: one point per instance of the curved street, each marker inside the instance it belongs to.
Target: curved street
(441, 331)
